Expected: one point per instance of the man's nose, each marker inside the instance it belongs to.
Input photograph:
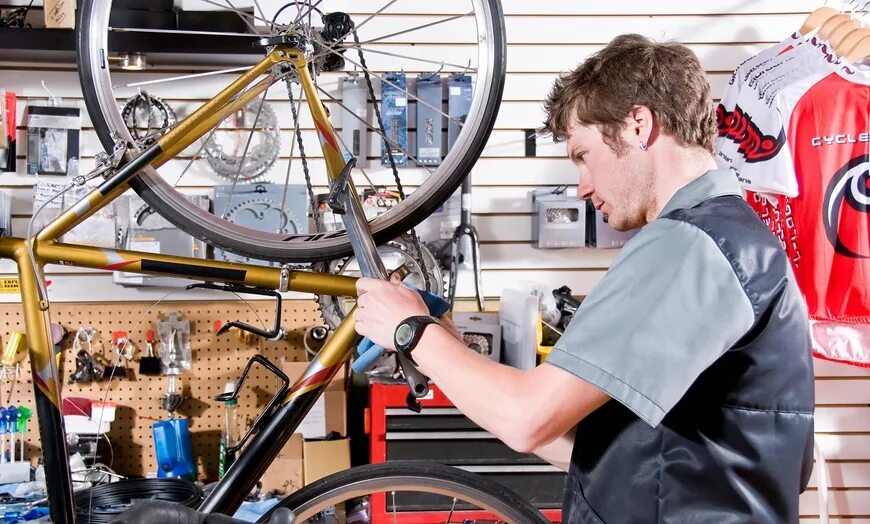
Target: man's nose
(585, 190)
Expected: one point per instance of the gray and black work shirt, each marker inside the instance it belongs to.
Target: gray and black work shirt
(700, 336)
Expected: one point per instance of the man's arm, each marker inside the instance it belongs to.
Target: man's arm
(526, 409)
(558, 452)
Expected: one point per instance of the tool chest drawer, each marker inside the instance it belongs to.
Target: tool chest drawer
(441, 433)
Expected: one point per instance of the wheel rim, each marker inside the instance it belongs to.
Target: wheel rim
(161, 195)
(404, 484)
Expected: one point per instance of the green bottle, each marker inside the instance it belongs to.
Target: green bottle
(229, 433)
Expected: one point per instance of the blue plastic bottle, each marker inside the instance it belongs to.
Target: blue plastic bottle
(173, 449)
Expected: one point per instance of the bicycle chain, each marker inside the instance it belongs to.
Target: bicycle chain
(315, 214)
(362, 61)
(415, 241)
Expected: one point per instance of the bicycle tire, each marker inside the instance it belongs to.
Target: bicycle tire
(91, 51)
(404, 476)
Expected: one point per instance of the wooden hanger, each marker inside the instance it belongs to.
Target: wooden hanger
(831, 24)
(850, 41)
(817, 18)
(860, 51)
(838, 34)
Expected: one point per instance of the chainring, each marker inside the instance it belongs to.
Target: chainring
(399, 251)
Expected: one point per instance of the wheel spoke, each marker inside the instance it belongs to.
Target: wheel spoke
(245, 152)
(407, 93)
(452, 508)
(365, 175)
(417, 28)
(465, 68)
(292, 150)
(183, 77)
(244, 16)
(378, 131)
(376, 13)
(176, 32)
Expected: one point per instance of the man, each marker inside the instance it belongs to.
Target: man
(682, 390)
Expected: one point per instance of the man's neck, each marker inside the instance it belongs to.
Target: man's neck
(674, 168)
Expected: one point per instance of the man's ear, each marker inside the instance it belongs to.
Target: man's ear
(642, 124)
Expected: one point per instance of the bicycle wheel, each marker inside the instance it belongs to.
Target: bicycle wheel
(387, 44)
(444, 493)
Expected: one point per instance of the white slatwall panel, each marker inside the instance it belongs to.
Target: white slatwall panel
(545, 38)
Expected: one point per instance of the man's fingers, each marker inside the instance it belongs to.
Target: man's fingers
(395, 278)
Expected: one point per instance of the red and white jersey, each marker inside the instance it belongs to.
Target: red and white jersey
(799, 140)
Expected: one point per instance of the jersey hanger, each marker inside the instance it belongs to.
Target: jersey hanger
(850, 41)
(837, 35)
(860, 51)
(817, 18)
(831, 24)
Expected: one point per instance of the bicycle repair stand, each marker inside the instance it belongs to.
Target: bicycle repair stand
(465, 229)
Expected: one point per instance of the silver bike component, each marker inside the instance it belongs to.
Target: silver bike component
(147, 117)
(397, 252)
(261, 155)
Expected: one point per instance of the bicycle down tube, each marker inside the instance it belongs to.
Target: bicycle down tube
(266, 444)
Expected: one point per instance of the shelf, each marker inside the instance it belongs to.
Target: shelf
(162, 49)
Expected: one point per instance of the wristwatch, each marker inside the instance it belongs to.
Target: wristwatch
(409, 331)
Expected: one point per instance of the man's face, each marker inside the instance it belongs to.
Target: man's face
(619, 184)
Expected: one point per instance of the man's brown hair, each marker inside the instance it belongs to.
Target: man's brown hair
(635, 71)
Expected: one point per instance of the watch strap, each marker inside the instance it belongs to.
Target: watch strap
(406, 342)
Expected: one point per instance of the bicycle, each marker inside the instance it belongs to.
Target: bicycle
(294, 53)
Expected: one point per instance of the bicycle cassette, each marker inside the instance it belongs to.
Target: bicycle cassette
(394, 253)
(147, 118)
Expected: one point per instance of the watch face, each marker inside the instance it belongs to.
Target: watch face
(404, 334)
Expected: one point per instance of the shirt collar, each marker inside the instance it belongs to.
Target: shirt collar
(713, 183)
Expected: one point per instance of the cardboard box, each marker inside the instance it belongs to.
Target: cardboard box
(60, 14)
(325, 457)
(329, 413)
(285, 474)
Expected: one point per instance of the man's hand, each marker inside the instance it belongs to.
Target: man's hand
(382, 305)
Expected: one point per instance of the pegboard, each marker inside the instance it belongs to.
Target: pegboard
(216, 361)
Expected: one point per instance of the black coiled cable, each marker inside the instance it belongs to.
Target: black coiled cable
(102, 504)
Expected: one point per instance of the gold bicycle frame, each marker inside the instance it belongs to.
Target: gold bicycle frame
(46, 250)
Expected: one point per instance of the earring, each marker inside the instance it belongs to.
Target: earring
(643, 146)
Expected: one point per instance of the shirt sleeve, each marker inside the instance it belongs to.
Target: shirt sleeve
(669, 306)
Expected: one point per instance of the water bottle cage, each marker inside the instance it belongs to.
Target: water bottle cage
(268, 411)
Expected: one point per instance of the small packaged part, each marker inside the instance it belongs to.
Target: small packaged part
(46, 193)
(459, 91)
(558, 219)
(53, 140)
(440, 225)
(174, 333)
(377, 201)
(599, 234)
(5, 214)
(354, 118)
(481, 332)
(141, 229)
(99, 229)
(429, 119)
(60, 14)
(394, 112)
(8, 133)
